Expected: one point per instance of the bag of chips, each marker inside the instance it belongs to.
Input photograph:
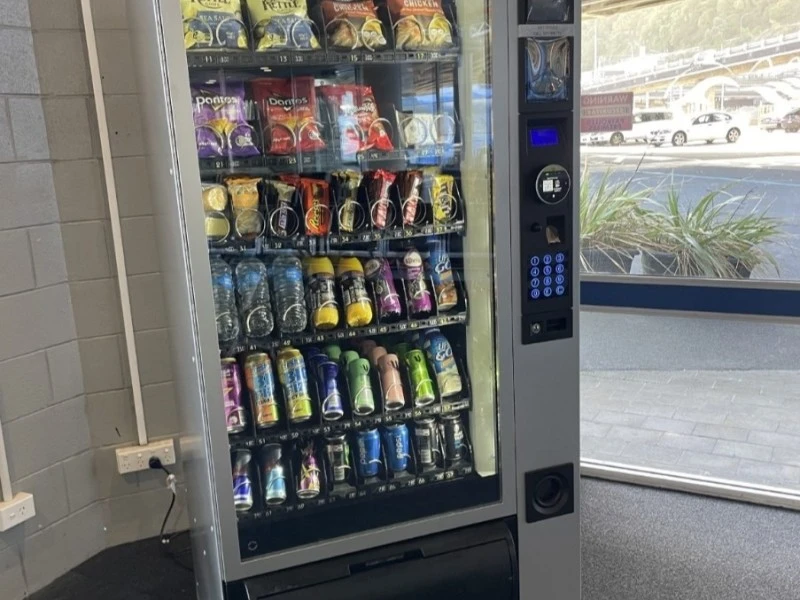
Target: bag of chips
(213, 25)
(420, 25)
(246, 204)
(441, 190)
(220, 121)
(353, 25)
(360, 126)
(281, 25)
(289, 114)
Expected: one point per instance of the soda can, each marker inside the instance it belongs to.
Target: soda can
(392, 383)
(395, 439)
(440, 355)
(242, 483)
(294, 379)
(235, 413)
(338, 456)
(308, 482)
(273, 474)
(421, 382)
(332, 403)
(361, 387)
(426, 438)
(261, 383)
(369, 453)
(452, 431)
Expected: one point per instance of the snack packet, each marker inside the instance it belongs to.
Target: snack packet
(420, 25)
(360, 126)
(315, 199)
(215, 197)
(283, 221)
(289, 112)
(281, 25)
(441, 191)
(220, 121)
(246, 201)
(213, 25)
(352, 25)
(351, 215)
(381, 209)
(409, 186)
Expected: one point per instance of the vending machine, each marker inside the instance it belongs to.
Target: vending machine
(367, 224)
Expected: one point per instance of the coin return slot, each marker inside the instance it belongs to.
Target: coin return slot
(553, 325)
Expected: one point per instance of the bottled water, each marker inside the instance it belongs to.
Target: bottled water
(253, 289)
(224, 300)
(287, 287)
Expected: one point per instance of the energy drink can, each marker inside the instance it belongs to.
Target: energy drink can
(332, 403)
(392, 383)
(369, 453)
(242, 483)
(308, 481)
(426, 438)
(261, 384)
(235, 413)
(395, 439)
(361, 387)
(440, 355)
(294, 379)
(452, 431)
(421, 383)
(338, 456)
(273, 474)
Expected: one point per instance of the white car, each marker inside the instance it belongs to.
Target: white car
(708, 127)
(644, 121)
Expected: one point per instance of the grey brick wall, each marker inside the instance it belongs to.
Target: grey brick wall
(65, 398)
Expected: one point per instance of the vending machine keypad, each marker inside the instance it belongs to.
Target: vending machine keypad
(549, 276)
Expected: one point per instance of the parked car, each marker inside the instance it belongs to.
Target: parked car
(791, 122)
(707, 127)
(643, 123)
(770, 124)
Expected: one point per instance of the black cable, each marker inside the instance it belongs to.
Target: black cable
(166, 539)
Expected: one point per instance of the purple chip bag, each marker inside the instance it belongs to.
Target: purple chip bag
(220, 121)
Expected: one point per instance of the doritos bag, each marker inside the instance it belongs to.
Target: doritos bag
(289, 112)
(360, 126)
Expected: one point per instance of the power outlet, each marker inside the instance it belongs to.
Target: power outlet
(17, 511)
(133, 459)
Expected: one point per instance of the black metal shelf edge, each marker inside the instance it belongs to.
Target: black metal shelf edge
(324, 162)
(376, 490)
(245, 441)
(338, 335)
(242, 59)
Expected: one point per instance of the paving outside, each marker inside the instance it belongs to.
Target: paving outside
(712, 397)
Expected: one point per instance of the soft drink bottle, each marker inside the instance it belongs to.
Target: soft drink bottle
(442, 275)
(357, 303)
(420, 303)
(224, 301)
(287, 284)
(253, 289)
(322, 293)
(379, 273)
(440, 355)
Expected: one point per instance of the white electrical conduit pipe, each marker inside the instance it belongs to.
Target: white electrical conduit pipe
(113, 214)
(5, 477)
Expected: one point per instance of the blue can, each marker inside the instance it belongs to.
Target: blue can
(332, 404)
(396, 440)
(369, 453)
(273, 474)
(242, 482)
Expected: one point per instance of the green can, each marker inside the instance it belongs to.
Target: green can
(358, 376)
(401, 350)
(349, 357)
(294, 379)
(421, 382)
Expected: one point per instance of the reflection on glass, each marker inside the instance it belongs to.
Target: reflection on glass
(549, 11)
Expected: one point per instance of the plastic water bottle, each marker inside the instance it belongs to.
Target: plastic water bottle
(287, 286)
(253, 289)
(224, 300)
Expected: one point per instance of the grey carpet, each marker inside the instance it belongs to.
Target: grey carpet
(646, 544)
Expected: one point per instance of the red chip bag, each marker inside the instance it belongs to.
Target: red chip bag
(360, 126)
(289, 114)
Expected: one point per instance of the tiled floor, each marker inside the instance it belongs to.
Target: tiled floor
(739, 425)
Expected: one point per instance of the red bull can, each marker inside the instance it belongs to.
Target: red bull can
(242, 483)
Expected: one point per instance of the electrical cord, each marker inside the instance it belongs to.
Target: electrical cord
(167, 539)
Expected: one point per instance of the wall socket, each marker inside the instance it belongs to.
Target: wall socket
(15, 512)
(133, 459)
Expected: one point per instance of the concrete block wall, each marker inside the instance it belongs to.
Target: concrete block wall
(65, 397)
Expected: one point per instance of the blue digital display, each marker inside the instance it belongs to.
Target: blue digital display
(540, 137)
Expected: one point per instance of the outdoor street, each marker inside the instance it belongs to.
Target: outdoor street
(709, 396)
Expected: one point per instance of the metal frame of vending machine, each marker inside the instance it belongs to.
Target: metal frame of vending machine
(530, 518)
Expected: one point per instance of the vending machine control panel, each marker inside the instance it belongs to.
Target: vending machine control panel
(547, 172)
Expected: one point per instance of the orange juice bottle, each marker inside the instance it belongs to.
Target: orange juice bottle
(357, 304)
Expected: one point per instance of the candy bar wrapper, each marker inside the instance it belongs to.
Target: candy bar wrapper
(283, 219)
(289, 111)
(246, 200)
(213, 25)
(360, 126)
(380, 203)
(220, 121)
(410, 188)
(348, 184)
(315, 196)
(352, 25)
(282, 25)
(441, 190)
(420, 25)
